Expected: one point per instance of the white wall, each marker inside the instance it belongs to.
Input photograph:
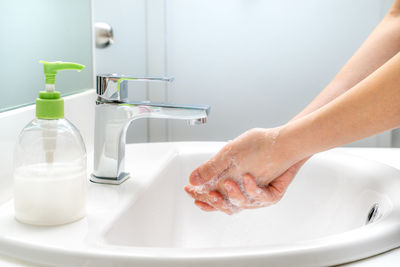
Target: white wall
(259, 62)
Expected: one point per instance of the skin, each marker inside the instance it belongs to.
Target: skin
(255, 169)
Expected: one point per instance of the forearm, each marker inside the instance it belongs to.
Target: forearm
(382, 44)
(370, 107)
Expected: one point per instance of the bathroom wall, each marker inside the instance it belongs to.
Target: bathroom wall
(258, 63)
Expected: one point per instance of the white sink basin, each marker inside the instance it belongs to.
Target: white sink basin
(150, 221)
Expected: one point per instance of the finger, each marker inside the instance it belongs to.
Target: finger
(204, 206)
(277, 187)
(213, 198)
(275, 190)
(218, 202)
(215, 167)
(191, 190)
(254, 191)
(234, 193)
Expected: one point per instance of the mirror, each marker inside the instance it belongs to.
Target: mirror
(43, 30)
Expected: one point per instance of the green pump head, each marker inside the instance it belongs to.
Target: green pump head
(49, 105)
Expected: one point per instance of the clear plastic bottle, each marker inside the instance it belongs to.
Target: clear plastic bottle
(50, 166)
(50, 173)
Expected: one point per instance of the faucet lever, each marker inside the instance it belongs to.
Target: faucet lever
(113, 87)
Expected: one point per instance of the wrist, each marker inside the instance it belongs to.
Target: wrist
(293, 142)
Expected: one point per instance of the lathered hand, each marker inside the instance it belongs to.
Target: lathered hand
(249, 172)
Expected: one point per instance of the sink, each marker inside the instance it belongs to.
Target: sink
(340, 208)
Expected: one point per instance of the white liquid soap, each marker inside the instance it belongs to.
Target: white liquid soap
(49, 195)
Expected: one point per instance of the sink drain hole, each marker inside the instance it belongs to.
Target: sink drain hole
(373, 214)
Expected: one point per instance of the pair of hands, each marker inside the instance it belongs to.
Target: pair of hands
(251, 171)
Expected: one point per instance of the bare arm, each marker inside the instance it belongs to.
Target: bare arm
(382, 44)
(263, 158)
(370, 107)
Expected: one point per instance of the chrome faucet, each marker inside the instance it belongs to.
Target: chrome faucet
(115, 111)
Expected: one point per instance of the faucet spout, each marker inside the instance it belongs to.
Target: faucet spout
(112, 119)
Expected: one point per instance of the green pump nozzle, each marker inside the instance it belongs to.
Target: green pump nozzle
(49, 105)
(51, 69)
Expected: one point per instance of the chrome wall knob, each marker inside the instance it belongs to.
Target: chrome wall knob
(104, 34)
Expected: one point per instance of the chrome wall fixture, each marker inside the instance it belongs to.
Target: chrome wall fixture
(104, 34)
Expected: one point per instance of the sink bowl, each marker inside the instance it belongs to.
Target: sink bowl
(340, 208)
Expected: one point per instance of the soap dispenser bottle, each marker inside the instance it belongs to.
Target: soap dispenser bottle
(50, 161)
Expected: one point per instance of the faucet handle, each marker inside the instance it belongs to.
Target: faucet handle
(113, 87)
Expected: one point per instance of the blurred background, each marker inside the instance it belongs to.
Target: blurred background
(257, 63)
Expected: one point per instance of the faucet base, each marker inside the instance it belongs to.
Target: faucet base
(105, 180)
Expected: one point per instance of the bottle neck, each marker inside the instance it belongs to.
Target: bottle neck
(50, 87)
